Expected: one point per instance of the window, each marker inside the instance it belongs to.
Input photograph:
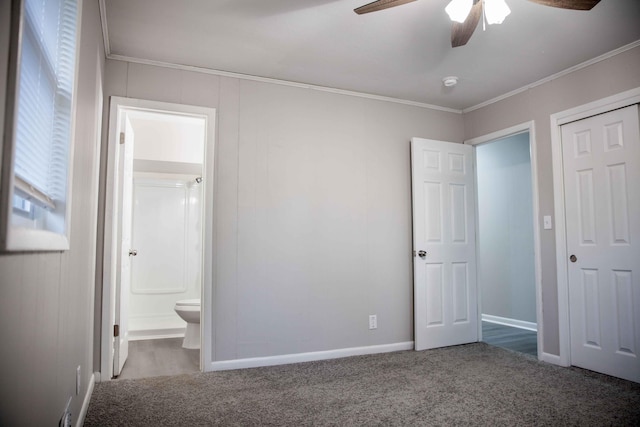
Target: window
(35, 200)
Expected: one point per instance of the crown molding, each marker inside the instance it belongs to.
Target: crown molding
(278, 82)
(110, 55)
(105, 30)
(555, 76)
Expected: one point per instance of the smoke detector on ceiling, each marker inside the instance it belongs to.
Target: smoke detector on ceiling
(450, 81)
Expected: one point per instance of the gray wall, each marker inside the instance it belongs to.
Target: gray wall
(506, 267)
(46, 299)
(313, 209)
(313, 200)
(336, 167)
(597, 81)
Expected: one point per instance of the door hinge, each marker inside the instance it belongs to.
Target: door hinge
(121, 137)
(116, 330)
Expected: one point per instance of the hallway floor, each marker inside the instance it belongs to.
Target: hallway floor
(511, 338)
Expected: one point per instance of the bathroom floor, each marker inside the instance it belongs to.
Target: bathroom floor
(154, 358)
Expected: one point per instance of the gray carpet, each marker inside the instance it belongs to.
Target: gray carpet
(474, 384)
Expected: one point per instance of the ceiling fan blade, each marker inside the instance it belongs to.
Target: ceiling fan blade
(379, 5)
(461, 33)
(569, 4)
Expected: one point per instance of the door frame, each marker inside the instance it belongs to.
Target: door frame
(500, 134)
(118, 106)
(604, 105)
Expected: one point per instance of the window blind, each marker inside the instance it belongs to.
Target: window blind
(43, 127)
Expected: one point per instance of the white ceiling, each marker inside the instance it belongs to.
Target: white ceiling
(403, 52)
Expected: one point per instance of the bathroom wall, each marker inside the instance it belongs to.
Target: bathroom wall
(506, 263)
(165, 138)
(167, 225)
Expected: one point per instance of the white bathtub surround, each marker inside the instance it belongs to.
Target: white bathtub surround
(167, 235)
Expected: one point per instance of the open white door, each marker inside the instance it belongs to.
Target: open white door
(445, 289)
(125, 251)
(601, 161)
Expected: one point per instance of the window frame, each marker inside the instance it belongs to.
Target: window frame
(12, 238)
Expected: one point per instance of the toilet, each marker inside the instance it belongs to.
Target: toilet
(189, 311)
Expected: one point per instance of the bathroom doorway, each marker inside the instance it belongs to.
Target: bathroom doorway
(158, 234)
(507, 241)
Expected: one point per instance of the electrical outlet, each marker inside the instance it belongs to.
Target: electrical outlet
(65, 421)
(373, 321)
(78, 380)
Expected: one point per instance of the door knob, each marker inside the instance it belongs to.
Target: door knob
(422, 254)
(133, 252)
(573, 258)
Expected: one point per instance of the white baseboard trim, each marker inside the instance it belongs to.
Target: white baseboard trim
(156, 334)
(553, 359)
(256, 362)
(529, 326)
(85, 402)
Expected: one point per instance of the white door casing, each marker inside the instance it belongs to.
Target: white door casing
(445, 289)
(120, 107)
(490, 137)
(123, 274)
(601, 166)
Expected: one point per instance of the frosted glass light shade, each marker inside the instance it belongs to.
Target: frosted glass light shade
(458, 10)
(495, 11)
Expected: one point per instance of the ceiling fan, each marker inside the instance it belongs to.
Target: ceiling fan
(465, 20)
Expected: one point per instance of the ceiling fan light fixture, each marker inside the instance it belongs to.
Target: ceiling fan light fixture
(495, 11)
(458, 10)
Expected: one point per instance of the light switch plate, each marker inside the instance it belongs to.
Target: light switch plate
(373, 321)
(547, 222)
